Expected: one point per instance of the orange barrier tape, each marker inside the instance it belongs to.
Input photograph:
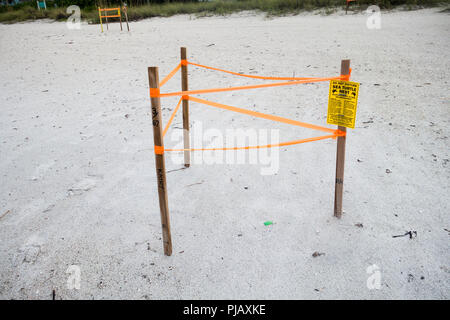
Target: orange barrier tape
(171, 117)
(112, 9)
(170, 75)
(288, 143)
(247, 75)
(263, 115)
(347, 76)
(110, 16)
(279, 84)
(154, 92)
(159, 149)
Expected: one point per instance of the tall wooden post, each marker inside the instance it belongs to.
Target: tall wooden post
(184, 87)
(340, 157)
(153, 78)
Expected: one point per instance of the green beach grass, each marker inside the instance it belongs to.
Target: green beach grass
(12, 14)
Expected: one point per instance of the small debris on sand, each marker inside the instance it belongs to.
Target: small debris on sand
(100, 285)
(5, 213)
(317, 254)
(411, 234)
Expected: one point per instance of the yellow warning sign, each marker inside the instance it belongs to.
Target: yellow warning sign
(342, 102)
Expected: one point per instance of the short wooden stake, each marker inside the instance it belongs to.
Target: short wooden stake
(126, 18)
(100, 17)
(120, 17)
(153, 77)
(184, 87)
(340, 157)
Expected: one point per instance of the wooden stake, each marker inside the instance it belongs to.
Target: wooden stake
(153, 78)
(340, 157)
(184, 87)
(100, 16)
(126, 18)
(120, 17)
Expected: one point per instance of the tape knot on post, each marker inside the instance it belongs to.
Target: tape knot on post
(185, 97)
(340, 133)
(159, 149)
(347, 76)
(184, 62)
(154, 92)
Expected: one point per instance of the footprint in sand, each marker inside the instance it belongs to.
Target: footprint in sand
(82, 186)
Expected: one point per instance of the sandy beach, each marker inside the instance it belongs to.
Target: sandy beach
(78, 185)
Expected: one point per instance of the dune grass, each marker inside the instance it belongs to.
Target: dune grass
(30, 13)
(217, 7)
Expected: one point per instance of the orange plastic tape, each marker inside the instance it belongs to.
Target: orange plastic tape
(110, 9)
(170, 75)
(154, 93)
(347, 76)
(184, 62)
(159, 149)
(288, 143)
(171, 117)
(110, 16)
(278, 84)
(263, 115)
(248, 75)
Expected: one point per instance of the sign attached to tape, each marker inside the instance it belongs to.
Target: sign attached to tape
(342, 102)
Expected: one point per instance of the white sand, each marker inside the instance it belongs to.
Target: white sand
(78, 178)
